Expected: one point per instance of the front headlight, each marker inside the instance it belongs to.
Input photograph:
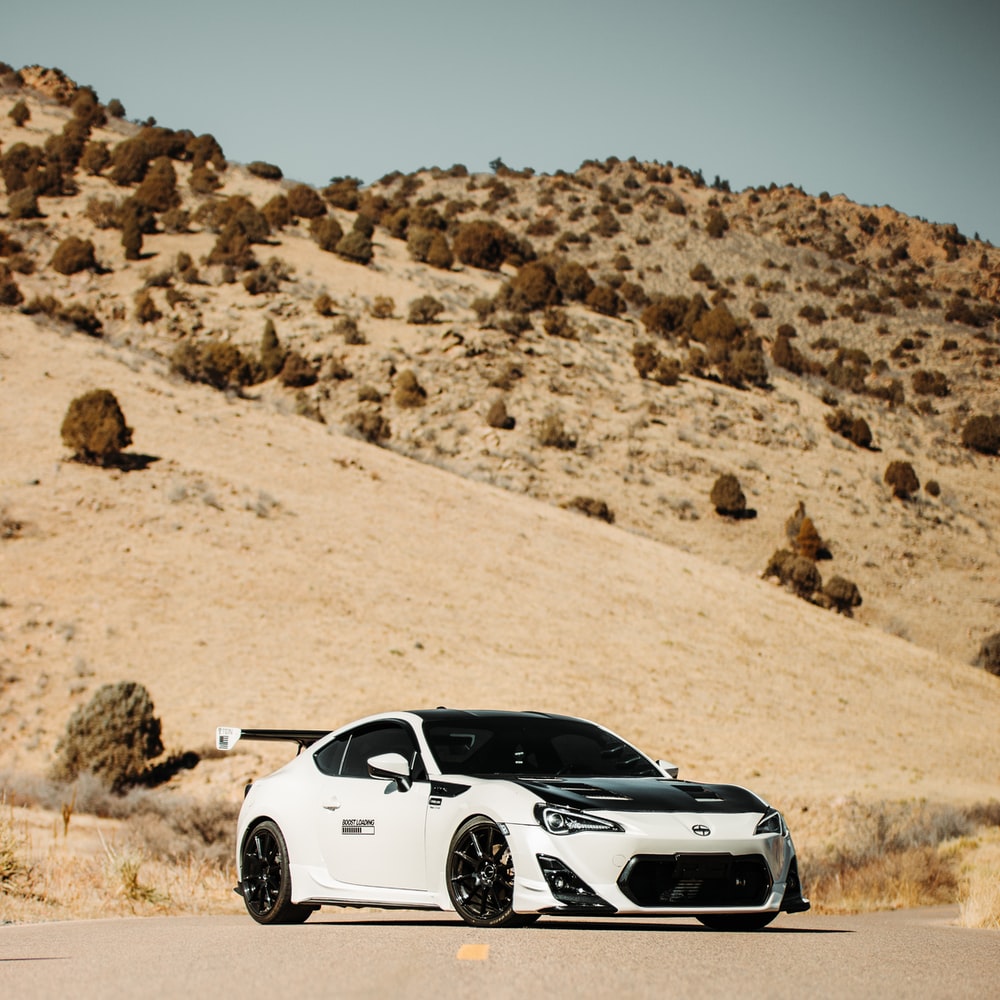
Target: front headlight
(771, 823)
(560, 820)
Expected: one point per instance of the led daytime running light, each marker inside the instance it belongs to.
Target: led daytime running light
(561, 821)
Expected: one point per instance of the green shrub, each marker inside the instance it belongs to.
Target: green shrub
(409, 393)
(557, 323)
(426, 309)
(347, 327)
(727, 496)
(74, 255)
(232, 248)
(204, 181)
(113, 736)
(982, 433)
(355, 246)
(115, 108)
(902, 480)
(129, 161)
(10, 294)
(266, 171)
(94, 428)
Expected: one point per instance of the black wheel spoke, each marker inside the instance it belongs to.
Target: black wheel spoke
(481, 875)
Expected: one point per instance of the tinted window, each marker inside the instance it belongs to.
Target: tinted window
(529, 745)
(329, 757)
(376, 739)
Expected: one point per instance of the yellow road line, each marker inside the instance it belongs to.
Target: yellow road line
(473, 953)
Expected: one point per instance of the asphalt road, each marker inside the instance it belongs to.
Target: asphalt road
(916, 953)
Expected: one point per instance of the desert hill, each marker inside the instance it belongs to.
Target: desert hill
(265, 563)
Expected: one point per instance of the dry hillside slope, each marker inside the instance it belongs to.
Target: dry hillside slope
(270, 566)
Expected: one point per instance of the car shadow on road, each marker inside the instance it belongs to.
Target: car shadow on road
(576, 925)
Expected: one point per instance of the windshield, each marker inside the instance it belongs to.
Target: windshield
(532, 746)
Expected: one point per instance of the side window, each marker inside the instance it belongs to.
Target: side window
(380, 738)
(329, 758)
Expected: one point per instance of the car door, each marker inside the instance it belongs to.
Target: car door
(372, 831)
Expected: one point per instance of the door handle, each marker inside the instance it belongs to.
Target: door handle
(332, 804)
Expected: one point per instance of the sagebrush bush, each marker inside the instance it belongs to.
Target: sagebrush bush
(326, 231)
(220, 365)
(277, 212)
(113, 736)
(305, 203)
(901, 478)
(19, 114)
(146, 310)
(557, 323)
(592, 507)
(552, 433)
(982, 433)
(498, 417)
(989, 654)
(930, 383)
(74, 255)
(94, 428)
(158, 190)
(727, 496)
(355, 246)
(533, 287)
(370, 425)
(574, 281)
(605, 300)
(408, 392)
(266, 171)
(854, 429)
(383, 307)
(716, 224)
(297, 372)
(842, 594)
(481, 244)
(426, 309)
(272, 353)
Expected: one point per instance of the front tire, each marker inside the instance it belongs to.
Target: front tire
(737, 921)
(480, 875)
(266, 882)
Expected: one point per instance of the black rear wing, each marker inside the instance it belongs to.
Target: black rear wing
(226, 737)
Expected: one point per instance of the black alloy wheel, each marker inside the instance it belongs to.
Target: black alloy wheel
(480, 875)
(266, 883)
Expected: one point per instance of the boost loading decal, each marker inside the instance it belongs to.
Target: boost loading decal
(358, 827)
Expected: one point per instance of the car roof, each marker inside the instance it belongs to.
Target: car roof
(454, 715)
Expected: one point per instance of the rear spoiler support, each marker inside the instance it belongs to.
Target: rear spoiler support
(226, 737)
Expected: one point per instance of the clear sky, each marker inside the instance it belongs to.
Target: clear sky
(887, 102)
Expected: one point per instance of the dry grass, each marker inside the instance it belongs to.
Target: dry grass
(862, 856)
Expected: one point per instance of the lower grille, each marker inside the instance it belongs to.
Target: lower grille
(696, 880)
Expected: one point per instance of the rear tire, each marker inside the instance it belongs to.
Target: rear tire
(737, 921)
(266, 882)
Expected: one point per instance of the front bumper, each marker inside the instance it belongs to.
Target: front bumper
(663, 869)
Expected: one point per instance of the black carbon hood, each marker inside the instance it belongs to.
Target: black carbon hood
(643, 795)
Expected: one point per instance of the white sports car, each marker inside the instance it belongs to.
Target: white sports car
(502, 817)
